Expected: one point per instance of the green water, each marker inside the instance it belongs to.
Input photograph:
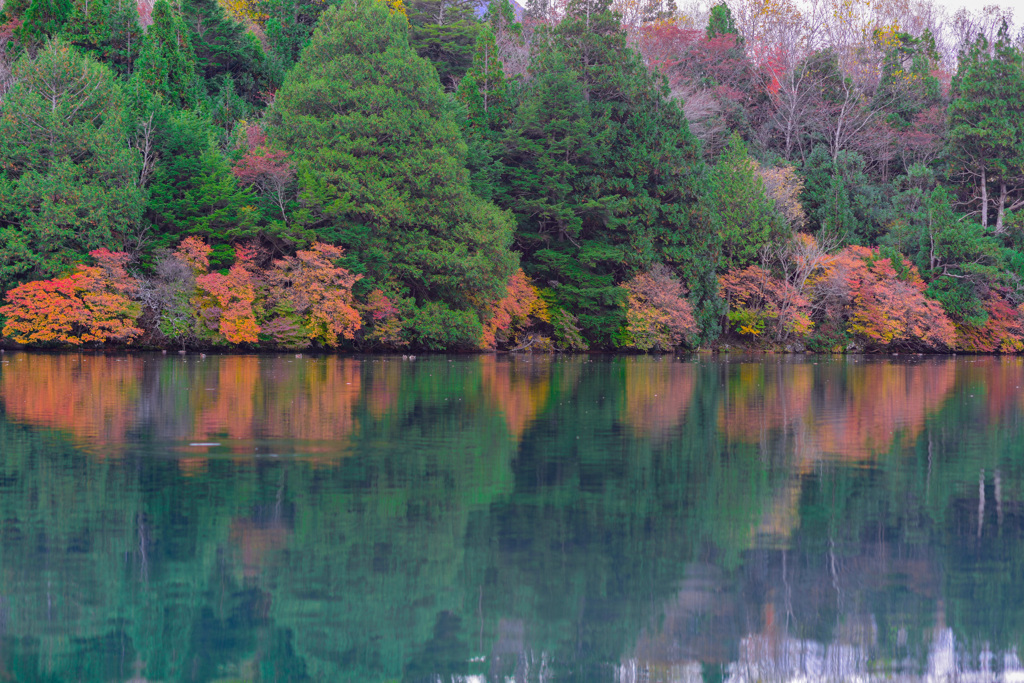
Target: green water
(278, 518)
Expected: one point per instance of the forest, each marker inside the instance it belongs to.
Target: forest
(636, 175)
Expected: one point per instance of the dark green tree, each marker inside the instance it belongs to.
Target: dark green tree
(167, 64)
(68, 179)
(747, 217)
(604, 176)
(107, 30)
(226, 54)
(444, 32)
(381, 165)
(720, 22)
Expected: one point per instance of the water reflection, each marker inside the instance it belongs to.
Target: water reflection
(495, 518)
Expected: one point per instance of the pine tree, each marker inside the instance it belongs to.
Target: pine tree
(484, 93)
(167, 63)
(108, 31)
(720, 22)
(444, 32)
(223, 48)
(68, 180)
(986, 119)
(381, 165)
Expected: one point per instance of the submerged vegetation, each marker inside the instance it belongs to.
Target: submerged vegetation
(445, 175)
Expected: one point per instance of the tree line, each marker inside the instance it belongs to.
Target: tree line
(373, 175)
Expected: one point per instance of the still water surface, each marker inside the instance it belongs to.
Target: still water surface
(274, 518)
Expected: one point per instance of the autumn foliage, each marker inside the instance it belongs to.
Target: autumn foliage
(764, 306)
(880, 303)
(1003, 332)
(511, 315)
(658, 316)
(89, 306)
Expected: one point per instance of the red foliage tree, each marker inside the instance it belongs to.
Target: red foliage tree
(658, 315)
(1002, 333)
(881, 305)
(317, 291)
(226, 301)
(384, 323)
(265, 169)
(512, 313)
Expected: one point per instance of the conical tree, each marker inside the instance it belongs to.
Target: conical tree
(167, 64)
(381, 164)
(747, 217)
(604, 176)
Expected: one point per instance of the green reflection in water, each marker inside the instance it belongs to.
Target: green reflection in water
(338, 519)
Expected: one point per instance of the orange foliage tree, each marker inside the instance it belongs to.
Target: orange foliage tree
(226, 302)
(658, 316)
(879, 302)
(90, 305)
(763, 306)
(510, 316)
(311, 287)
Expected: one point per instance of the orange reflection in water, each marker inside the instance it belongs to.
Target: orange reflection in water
(92, 399)
(102, 403)
(658, 394)
(852, 411)
(519, 389)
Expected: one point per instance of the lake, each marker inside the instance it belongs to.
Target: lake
(527, 518)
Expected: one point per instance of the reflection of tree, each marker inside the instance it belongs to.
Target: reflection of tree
(599, 525)
(518, 387)
(94, 399)
(658, 393)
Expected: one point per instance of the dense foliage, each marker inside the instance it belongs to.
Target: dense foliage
(577, 175)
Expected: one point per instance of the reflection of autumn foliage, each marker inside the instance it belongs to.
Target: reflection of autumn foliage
(854, 419)
(1000, 379)
(879, 302)
(658, 394)
(878, 401)
(519, 390)
(658, 316)
(256, 542)
(91, 305)
(1002, 332)
(94, 399)
(763, 306)
(256, 399)
(511, 315)
(765, 397)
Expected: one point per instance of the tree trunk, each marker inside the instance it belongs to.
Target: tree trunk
(984, 199)
(1002, 207)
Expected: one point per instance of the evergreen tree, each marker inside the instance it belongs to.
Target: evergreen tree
(444, 31)
(167, 63)
(720, 22)
(106, 30)
(907, 86)
(986, 120)
(747, 217)
(381, 166)
(223, 49)
(42, 19)
(604, 176)
(68, 180)
(484, 92)
(192, 190)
